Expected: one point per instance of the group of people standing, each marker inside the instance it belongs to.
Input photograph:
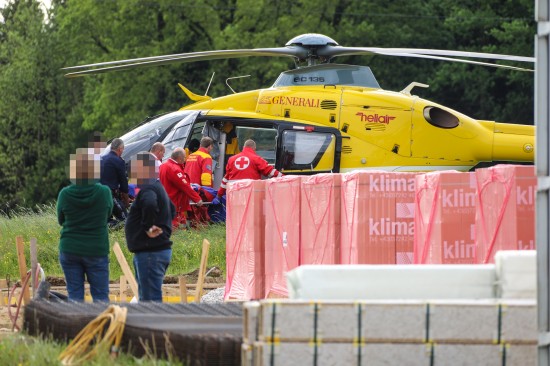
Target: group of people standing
(100, 188)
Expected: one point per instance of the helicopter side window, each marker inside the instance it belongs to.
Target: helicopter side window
(177, 140)
(440, 118)
(308, 151)
(193, 142)
(151, 130)
(265, 138)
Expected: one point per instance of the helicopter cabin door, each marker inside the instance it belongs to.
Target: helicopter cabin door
(378, 122)
(229, 138)
(308, 150)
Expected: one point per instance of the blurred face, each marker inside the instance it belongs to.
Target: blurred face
(84, 166)
(142, 172)
(98, 144)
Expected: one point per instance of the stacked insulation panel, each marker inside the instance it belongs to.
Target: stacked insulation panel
(377, 282)
(245, 233)
(282, 232)
(483, 332)
(445, 218)
(517, 274)
(377, 217)
(320, 219)
(505, 210)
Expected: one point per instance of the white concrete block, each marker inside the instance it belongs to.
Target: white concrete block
(337, 322)
(282, 321)
(468, 355)
(251, 312)
(464, 321)
(299, 354)
(247, 352)
(294, 321)
(396, 354)
(521, 355)
(519, 322)
(394, 321)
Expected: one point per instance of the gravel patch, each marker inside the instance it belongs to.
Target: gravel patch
(214, 296)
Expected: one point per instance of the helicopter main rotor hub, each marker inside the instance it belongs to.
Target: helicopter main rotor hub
(312, 42)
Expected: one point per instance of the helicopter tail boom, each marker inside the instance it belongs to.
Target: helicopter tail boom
(513, 142)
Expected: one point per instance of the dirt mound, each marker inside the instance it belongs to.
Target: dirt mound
(214, 275)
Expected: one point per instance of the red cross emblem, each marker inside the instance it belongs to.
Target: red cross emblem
(242, 163)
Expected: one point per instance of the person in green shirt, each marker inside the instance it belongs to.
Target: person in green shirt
(82, 210)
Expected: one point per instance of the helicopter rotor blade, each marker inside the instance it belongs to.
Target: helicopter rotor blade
(460, 60)
(333, 51)
(289, 51)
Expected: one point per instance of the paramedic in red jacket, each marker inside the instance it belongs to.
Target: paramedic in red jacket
(177, 185)
(199, 164)
(247, 165)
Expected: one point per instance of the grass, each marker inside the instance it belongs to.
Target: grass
(18, 349)
(42, 225)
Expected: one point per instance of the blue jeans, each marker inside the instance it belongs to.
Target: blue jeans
(95, 269)
(150, 268)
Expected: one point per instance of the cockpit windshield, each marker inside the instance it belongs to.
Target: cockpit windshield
(328, 74)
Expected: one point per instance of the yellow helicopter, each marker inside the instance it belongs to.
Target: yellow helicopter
(326, 117)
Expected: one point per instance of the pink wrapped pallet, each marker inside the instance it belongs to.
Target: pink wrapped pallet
(505, 210)
(245, 235)
(377, 217)
(320, 219)
(282, 232)
(444, 220)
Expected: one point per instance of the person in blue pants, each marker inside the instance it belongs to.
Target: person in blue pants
(149, 227)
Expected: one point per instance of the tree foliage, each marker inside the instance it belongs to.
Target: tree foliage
(44, 117)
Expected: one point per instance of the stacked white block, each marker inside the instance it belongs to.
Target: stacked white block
(517, 274)
(482, 354)
(359, 282)
(518, 321)
(375, 332)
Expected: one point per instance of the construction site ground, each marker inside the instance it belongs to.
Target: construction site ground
(171, 290)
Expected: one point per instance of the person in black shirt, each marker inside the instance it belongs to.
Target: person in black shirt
(149, 227)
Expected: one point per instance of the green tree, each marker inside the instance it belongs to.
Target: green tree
(487, 93)
(43, 116)
(33, 126)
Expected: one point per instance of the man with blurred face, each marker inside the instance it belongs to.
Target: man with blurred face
(82, 211)
(149, 227)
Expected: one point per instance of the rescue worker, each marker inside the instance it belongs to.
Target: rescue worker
(247, 165)
(199, 164)
(177, 185)
(231, 139)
